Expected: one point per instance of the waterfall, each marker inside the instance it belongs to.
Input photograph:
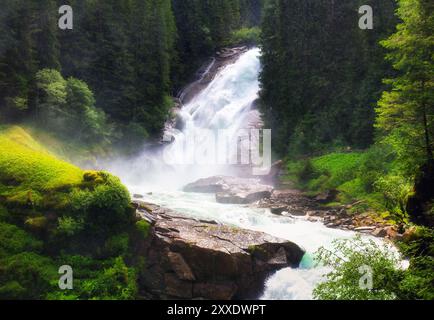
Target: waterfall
(226, 103)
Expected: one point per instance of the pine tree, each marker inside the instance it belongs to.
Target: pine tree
(406, 112)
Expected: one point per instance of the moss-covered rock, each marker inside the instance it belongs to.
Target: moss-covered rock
(37, 187)
(53, 213)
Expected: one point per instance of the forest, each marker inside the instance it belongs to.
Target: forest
(351, 113)
(126, 58)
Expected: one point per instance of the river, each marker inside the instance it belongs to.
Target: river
(225, 104)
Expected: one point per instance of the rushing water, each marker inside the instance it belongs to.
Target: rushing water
(225, 104)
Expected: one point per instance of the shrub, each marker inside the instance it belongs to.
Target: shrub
(26, 276)
(4, 214)
(68, 108)
(117, 282)
(70, 226)
(346, 257)
(419, 278)
(396, 190)
(14, 240)
(143, 227)
(117, 245)
(377, 162)
(246, 36)
(105, 208)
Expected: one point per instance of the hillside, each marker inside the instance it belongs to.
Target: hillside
(52, 211)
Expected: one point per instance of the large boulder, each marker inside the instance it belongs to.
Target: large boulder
(232, 190)
(193, 259)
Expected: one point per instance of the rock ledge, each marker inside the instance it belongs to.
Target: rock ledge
(192, 259)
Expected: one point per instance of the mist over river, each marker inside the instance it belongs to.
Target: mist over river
(225, 104)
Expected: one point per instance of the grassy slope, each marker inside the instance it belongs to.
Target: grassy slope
(54, 213)
(26, 166)
(356, 175)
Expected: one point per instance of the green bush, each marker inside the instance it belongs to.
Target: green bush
(105, 207)
(346, 258)
(4, 213)
(84, 218)
(117, 245)
(70, 226)
(68, 108)
(14, 240)
(395, 190)
(246, 36)
(419, 278)
(26, 276)
(143, 227)
(117, 282)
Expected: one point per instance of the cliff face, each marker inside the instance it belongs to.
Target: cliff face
(191, 259)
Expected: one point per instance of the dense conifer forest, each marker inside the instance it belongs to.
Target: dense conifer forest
(351, 113)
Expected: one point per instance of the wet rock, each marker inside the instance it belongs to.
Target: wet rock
(278, 210)
(244, 194)
(190, 259)
(232, 190)
(326, 197)
(209, 185)
(379, 232)
(410, 234)
(178, 288)
(215, 291)
(392, 233)
(180, 267)
(364, 229)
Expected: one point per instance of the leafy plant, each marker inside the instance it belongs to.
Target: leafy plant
(346, 258)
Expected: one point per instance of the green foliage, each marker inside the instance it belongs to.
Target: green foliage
(70, 226)
(143, 227)
(26, 276)
(327, 172)
(29, 172)
(117, 282)
(68, 108)
(73, 212)
(419, 247)
(246, 36)
(14, 240)
(105, 206)
(373, 179)
(396, 190)
(317, 102)
(405, 113)
(389, 282)
(117, 245)
(346, 257)
(35, 180)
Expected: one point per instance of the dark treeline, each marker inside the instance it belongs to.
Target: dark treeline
(352, 111)
(322, 73)
(133, 55)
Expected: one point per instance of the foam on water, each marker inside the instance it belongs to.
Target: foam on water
(225, 104)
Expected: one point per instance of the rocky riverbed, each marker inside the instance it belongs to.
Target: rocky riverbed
(290, 202)
(194, 259)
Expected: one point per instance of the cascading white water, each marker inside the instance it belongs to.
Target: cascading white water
(225, 104)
